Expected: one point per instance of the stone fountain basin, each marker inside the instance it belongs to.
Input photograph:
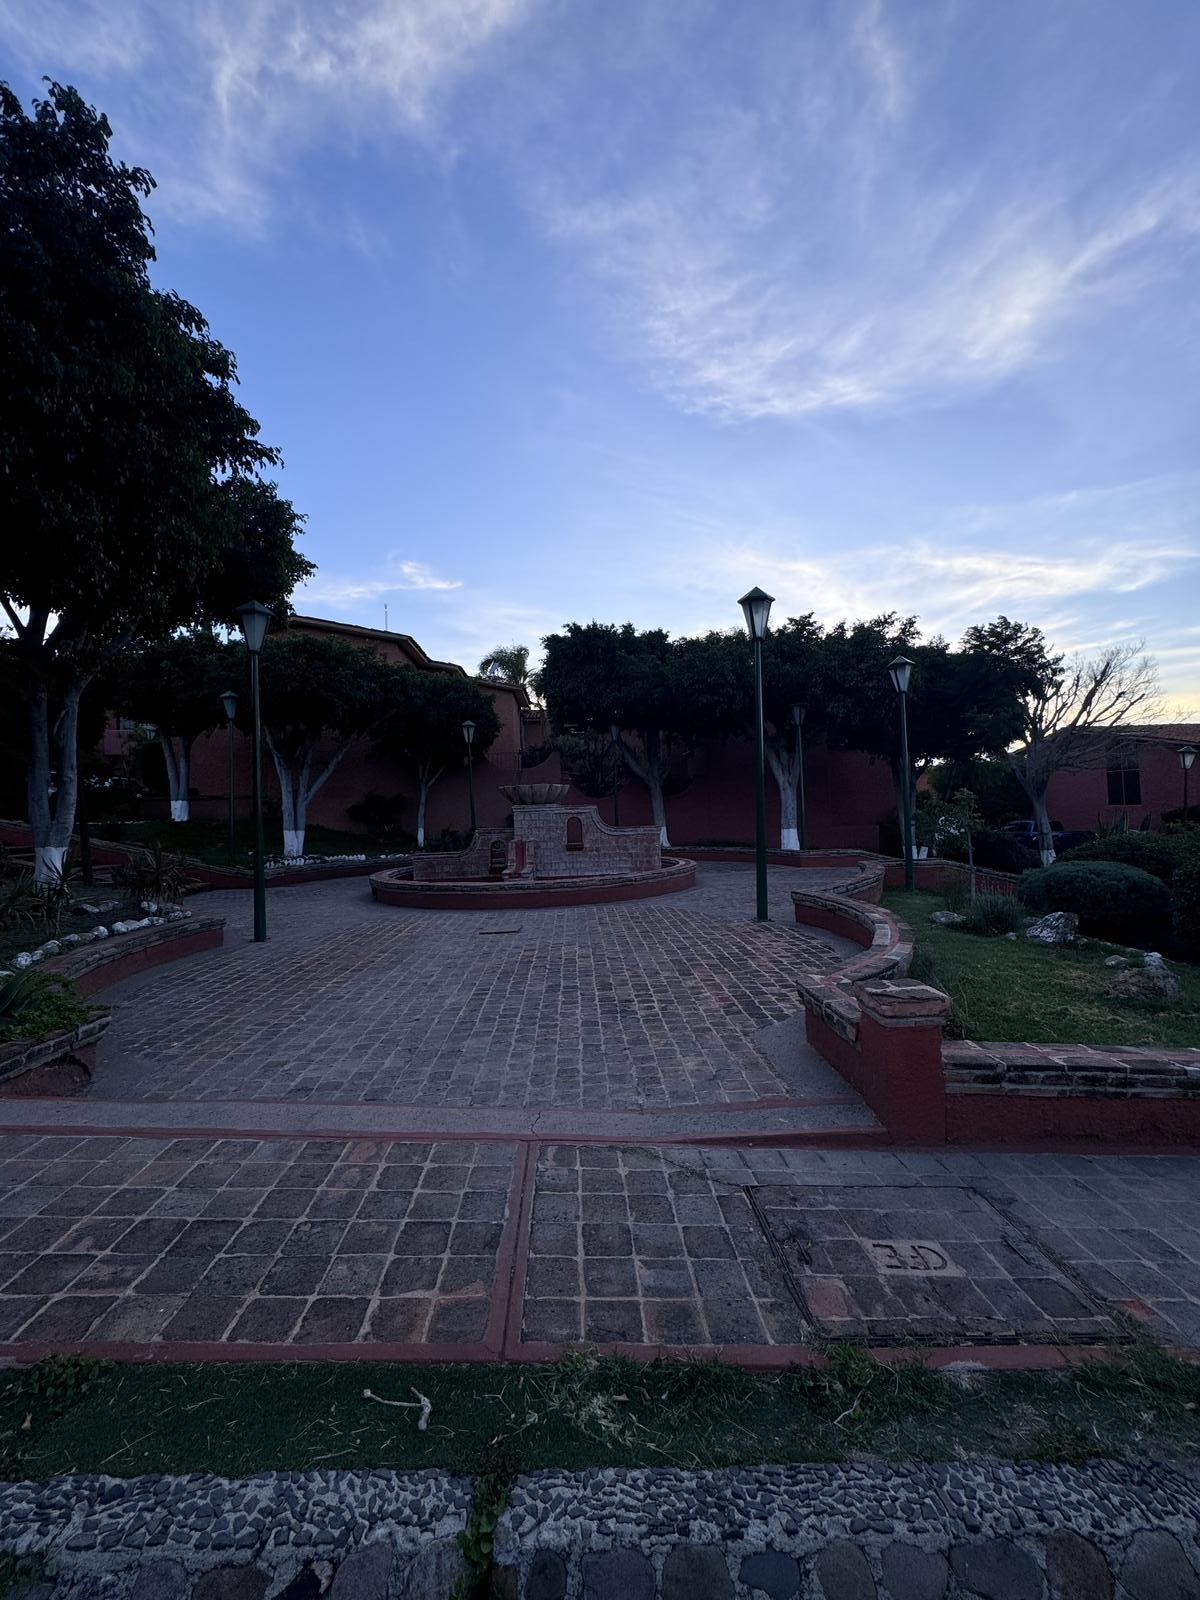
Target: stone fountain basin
(535, 794)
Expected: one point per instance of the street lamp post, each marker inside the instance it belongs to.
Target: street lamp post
(1187, 754)
(798, 719)
(614, 733)
(229, 701)
(900, 671)
(255, 619)
(756, 608)
(468, 733)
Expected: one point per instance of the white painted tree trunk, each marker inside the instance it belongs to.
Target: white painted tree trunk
(293, 841)
(422, 799)
(649, 769)
(48, 862)
(178, 759)
(1041, 818)
(296, 790)
(785, 769)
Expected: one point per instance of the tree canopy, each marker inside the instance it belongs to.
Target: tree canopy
(423, 728)
(121, 438)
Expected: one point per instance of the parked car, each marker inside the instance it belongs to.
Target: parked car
(1062, 838)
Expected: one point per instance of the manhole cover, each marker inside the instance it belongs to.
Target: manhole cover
(911, 1264)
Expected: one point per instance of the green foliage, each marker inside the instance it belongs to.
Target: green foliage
(507, 663)
(21, 905)
(990, 779)
(19, 1572)
(1112, 900)
(153, 874)
(955, 890)
(993, 914)
(175, 684)
(1156, 853)
(35, 1004)
(57, 1382)
(1185, 908)
(478, 1539)
(381, 815)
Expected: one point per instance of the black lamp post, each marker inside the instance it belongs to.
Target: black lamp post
(229, 701)
(468, 733)
(255, 619)
(756, 608)
(900, 671)
(798, 719)
(1187, 754)
(614, 733)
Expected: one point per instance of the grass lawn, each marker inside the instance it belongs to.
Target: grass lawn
(209, 840)
(1018, 991)
(65, 1415)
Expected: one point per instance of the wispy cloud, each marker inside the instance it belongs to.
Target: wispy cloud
(231, 93)
(396, 577)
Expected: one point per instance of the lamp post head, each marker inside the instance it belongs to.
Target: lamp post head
(255, 619)
(468, 732)
(756, 608)
(798, 716)
(900, 671)
(229, 701)
(1187, 754)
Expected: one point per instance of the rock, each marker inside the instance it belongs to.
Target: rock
(996, 1570)
(547, 1578)
(70, 940)
(1076, 1569)
(23, 960)
(772, 1573)
(232, 1583)
(1116, 961)
(947, 919)
(433, 1572)
(1145, 983)
(1153, 959)
(502, 1583)
(843, 1573)
(1056, 927)
(364, 1574)
(99, 933)
(1010, 936)
(695, 1572)
(120, 927)
(52, 947)
(1156, 1568)
(912, 1574)
(160, 1580)
(616, 1575)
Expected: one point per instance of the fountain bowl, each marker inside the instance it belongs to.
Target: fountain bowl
(535, 794)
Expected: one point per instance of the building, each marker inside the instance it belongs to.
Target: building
(1134, 773)
(710, 797)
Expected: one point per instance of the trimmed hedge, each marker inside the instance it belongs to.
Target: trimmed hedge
(1156, 853)
(1112, 900)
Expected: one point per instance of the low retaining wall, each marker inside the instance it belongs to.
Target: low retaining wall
(998, 1091)
(395, 888)
(21, 1056)
(93, 967)
(883, 1033)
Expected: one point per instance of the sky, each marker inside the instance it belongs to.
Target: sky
(574, 309)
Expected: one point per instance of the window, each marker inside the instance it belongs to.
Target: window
(1125, 783)
(574, 833)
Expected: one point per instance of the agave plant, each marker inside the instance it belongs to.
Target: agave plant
(21, 904)
(155, 874)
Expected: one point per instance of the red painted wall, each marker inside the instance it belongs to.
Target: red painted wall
(1080, 799)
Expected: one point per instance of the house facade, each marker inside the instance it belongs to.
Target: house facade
(1133, 774)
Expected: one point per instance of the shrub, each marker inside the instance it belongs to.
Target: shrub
(954, 890)
(34, 1004)
(1156, 853)
(1185, 908)
(993, 914)
(1111, 900)
(380, 815)
(993, 848)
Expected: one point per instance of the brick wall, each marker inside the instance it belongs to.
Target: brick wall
(605, 850)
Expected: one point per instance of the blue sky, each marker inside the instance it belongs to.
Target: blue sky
(613, 308)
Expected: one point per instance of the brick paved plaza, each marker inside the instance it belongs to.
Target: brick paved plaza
(464, 1134)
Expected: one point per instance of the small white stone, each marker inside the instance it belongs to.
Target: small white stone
(23, 960)
(99, 933)
(72, 939)
(34, 955)
(1153, 959)
(52, 947)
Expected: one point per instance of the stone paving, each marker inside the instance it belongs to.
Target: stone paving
(655, 1004)
(951, 1531)
(395, 1246)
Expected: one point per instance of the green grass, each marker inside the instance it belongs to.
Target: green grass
(585, 1410)
(1019, 991)
(209, 840)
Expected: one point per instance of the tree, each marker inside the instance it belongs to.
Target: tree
(175, 686)
(318, 696)
(119, 431)
(424, 727)
(596, 673)
(509, 663)
(1069, 708)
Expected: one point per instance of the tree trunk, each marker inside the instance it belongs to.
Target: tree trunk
(291, 799)
(1045, 834)
(52, 827)
(178, 759)
(785, 770)
(649, 769)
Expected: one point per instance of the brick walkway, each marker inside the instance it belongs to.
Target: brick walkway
(647, 1005)
(345, 1206)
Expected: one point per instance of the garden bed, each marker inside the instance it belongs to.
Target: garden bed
(1021, 992)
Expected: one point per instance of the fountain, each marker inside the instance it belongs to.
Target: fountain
(555, 854)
